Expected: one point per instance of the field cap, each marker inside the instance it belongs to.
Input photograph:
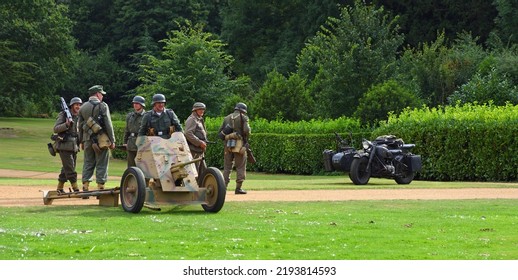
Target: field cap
(96, 88)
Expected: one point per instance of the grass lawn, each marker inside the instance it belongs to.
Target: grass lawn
(354, 230)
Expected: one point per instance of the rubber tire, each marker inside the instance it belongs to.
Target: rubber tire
(133, 190)
(213, 181)
(405, 180)
(358, 173)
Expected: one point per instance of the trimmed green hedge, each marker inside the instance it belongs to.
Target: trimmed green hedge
(463, 143)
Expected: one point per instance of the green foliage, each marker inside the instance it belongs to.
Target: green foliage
(283, 99)
(88, 69)
(35, 43)
(436, 71)
(347, 56)
(506, 21)
(487, 88)
(267, 35)
(313, 126)
(191, 68)
(382, 99)
(421, 20)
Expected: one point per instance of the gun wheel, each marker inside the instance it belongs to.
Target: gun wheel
(216, 189)
(133, 190)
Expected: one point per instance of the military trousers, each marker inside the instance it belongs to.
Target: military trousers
(239, 162)
(68, 169)
(131, 158)
(97, 162)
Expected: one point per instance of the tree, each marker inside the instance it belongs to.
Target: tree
(35, 45)
(421, 20)
(507, 21)
(131, 30)
(192, 67)
(383, 98)
(283, 99)
(266, 35)
(491, 87)
(347, 56)
(435, 71)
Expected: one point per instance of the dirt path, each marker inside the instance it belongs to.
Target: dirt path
(32, 195)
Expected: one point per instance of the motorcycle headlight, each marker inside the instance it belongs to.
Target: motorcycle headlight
(366, 144)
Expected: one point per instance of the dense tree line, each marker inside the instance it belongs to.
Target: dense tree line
(290, 60)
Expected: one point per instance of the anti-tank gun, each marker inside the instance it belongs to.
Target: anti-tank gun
(166, 174)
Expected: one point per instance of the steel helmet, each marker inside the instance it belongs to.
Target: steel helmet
(198, 105)
(241, 107)
(158, 98)
(140, 100)
(75, 100)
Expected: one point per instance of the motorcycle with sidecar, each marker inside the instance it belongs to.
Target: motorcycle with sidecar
(385, 157)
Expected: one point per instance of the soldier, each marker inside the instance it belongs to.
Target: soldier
(235, 130)
(133, 121)
(159, 121)
(96, 136)
(196, 134)
(68, 147)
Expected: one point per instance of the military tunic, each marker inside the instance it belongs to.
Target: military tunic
(67, 148)
(196, 134)
(133, 122)
(160, 123)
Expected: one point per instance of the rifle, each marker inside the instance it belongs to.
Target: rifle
(64, 107)
(121, 147)
(249, 154)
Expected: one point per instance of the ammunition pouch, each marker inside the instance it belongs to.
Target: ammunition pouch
(93, 125)
(233, 135)
(151, 132)
(236, 146)
(103, 141)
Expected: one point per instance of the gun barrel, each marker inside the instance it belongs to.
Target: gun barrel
(182, 164)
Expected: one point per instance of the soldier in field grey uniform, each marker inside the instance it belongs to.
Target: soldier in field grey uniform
(133, 121)
(159, 121)
(196, 134)
(238, 123)
(95, 158)
(69, 146)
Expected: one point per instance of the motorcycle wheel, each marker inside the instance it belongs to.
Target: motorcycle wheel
(405, 179)
(359, 174)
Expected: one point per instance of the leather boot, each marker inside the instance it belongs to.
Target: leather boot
(60, 187)
(239, 190)
(85, 189)
(75, 188)
(100, 186)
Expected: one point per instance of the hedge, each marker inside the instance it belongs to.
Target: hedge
(461, 143)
